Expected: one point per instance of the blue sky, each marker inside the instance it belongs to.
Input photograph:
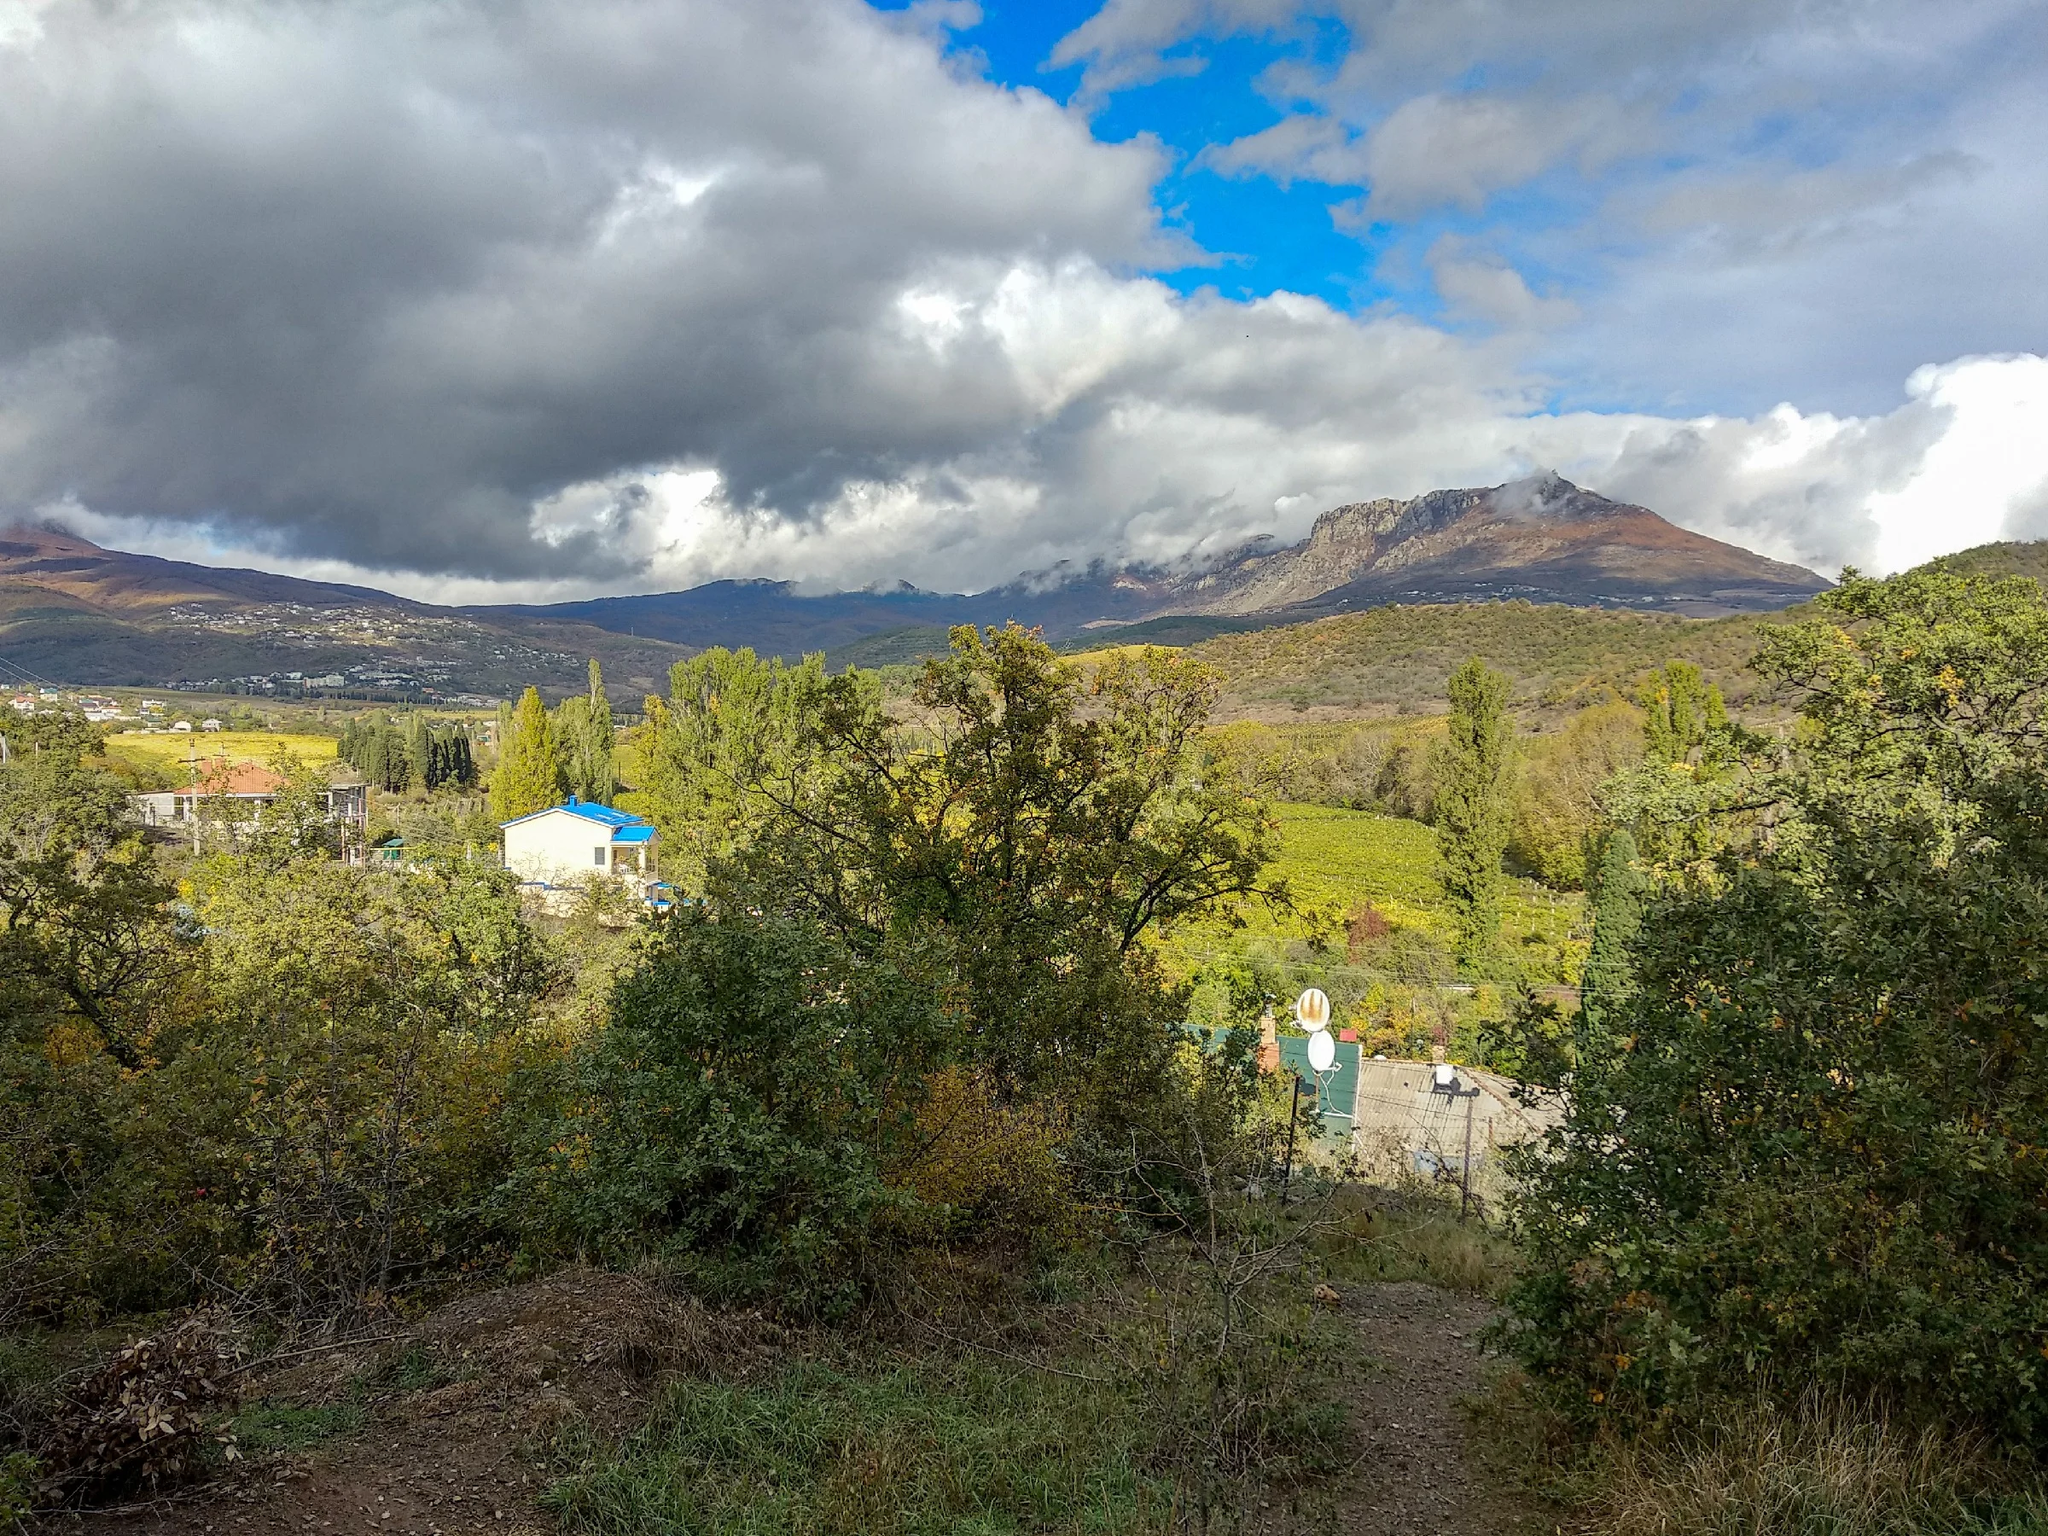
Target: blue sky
(1262, 236)
(1904, 129)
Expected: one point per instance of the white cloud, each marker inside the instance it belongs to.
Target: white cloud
(1753, 200)
(1478, 284)
(1435, 149)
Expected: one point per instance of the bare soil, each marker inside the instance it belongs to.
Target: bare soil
(1415, 1473)
(464, 1451)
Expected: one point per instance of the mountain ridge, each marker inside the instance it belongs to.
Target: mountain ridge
(107, 616)
(79, 613)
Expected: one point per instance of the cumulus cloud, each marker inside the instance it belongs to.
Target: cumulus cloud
(1478, 284)
(534, 301)
(1745, 200)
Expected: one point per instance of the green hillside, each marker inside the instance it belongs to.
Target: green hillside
(2012, 558)
(1395, 660)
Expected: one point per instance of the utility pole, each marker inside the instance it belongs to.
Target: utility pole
(1465, 1169)
(1287, 1177)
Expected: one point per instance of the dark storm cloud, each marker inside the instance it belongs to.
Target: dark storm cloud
(367, 281)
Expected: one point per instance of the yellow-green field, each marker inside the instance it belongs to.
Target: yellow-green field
(1336, 861)
(168, 750)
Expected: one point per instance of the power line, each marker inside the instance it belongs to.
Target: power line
(29, 673)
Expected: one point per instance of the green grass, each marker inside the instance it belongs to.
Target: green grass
(1373, 1239)
(969, 1447)
(266, 1426)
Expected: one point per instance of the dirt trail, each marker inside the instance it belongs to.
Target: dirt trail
(1414, 1473)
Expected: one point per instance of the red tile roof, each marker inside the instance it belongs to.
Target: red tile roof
(223, 778)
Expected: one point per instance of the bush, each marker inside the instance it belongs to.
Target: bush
(1804, 1144)
(755, 1081)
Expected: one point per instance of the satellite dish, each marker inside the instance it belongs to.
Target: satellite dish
(1322, 1051)
(1312, 1009)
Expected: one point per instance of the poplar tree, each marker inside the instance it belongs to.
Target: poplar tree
(1681, 708)
(584, 738)
(528, 778)
(1473, 809)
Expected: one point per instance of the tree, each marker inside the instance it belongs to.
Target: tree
(85, 927)
(1617, 918)
(528, 775)
(729, 746)
(419, 753)
(1557, 794)
(1038, 824)
(1681, 710)
(585, 739)
(1473, 808)
(1814, 1157)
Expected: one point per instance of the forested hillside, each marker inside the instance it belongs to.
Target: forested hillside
(1394, 660)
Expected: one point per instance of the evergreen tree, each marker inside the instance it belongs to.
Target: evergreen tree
(418, 750)
(1473, 807)
(527, 777)
(1617, 918)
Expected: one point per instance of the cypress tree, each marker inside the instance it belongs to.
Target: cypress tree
(418, 750)
(1473, 813)
(1617, 918)
(527, 777)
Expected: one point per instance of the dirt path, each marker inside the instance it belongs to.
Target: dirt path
(1415, 1475)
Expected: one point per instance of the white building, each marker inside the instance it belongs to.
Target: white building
(564, 845)
(242, 792)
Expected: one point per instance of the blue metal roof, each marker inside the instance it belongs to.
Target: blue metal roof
(639, 833)
(589, 810)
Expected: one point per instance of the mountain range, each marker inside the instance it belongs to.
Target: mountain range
(73, 611)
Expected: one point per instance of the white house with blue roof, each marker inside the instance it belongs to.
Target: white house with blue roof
(566, 844)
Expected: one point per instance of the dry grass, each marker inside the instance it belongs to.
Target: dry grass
(236, 746)
(1825, 1467)
(1384, 1235)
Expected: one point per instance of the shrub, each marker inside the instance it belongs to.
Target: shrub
(1805, 1142)
(754, 1083)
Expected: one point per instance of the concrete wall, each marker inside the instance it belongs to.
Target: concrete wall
(561, 848)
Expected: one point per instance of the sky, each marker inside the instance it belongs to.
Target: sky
(532, 299)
